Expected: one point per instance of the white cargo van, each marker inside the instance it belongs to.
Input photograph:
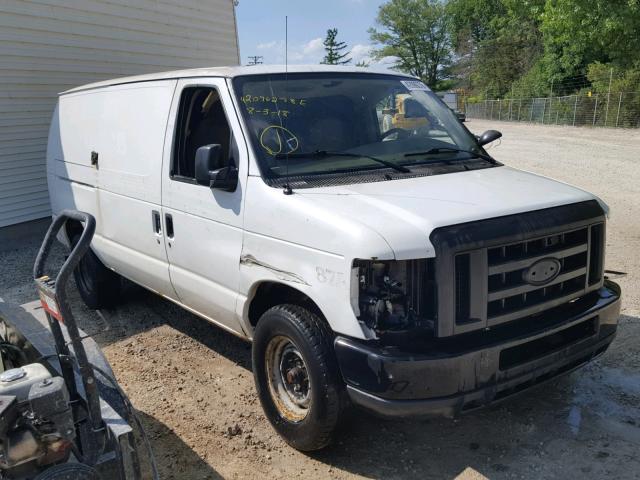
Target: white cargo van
(347, 224)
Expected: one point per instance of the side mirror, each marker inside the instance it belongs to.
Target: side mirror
(225, 178)
(489, 136)
(208, 171)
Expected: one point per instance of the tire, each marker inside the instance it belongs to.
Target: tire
(288, 336)
(69, 471)
(99, 287)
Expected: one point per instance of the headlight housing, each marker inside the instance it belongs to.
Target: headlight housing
(395, 296)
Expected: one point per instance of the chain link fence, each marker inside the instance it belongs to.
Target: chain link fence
(614, 110)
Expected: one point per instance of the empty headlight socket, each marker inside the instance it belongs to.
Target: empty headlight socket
(394, 298)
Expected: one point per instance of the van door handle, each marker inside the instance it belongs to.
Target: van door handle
(156, 224)
(168, 224)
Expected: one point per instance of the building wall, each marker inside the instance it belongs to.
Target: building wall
(48, 46)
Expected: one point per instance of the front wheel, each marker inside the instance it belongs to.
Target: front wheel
(297, 376)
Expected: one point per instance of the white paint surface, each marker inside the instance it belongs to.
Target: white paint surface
(310, 238)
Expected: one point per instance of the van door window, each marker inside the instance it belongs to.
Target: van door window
(201, 121)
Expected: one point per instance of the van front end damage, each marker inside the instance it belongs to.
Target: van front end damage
(506, 303)
(450, 375)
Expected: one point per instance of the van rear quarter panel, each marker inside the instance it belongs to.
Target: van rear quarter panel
(125, 125)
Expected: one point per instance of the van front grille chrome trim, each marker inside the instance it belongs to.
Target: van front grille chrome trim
(507, 268)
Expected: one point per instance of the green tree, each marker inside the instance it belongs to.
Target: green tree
(334, 49)
(471, 22)
(580, 32)
(500, 48)
(416, 33)
(497, 42)
(622, 80)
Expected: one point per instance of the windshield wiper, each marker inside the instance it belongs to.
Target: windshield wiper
(433, 151)
(325, 153)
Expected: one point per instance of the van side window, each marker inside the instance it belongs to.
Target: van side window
(201, 121)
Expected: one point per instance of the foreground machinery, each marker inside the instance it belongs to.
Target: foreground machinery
(62, 414)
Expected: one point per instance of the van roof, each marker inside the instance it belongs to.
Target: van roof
(230, 72)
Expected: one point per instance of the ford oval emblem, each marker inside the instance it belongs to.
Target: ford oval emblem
(542, 272)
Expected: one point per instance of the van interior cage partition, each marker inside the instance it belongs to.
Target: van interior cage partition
(612, 110)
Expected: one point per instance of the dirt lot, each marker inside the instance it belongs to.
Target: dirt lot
(193, 386)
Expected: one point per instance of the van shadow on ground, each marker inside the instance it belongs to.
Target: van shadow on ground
(175, 459)
(141, 310)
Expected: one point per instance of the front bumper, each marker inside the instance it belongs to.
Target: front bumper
(447, 379)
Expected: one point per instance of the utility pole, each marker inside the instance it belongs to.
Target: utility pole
(255, 60)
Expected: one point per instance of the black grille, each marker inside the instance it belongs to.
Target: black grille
(463, 287)
(484, 268)
(596, 254)
(510, 296)
(421, 288)
(371, 175)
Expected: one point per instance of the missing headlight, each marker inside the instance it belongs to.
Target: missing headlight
(395, 297)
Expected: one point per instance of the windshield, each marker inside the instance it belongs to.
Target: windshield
(318, 123)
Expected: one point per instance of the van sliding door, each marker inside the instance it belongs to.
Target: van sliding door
(120, 131)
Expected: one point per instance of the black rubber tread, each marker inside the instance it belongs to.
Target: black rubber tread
(69, 471)
(314, 339)
(99, 286)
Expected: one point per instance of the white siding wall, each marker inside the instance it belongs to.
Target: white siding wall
(47, 46)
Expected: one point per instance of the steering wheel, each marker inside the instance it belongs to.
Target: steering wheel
(402, 133)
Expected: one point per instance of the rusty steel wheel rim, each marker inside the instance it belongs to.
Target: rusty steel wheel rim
(288, 378)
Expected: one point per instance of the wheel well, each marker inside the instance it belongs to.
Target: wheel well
(270, 294)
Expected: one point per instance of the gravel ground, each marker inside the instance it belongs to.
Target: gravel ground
(193, 386)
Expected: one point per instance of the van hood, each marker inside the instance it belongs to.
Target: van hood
(405, 212)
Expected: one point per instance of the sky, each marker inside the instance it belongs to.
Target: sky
(261, 28)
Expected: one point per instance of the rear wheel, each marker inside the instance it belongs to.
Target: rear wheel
(99, 287)
(297, 376)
